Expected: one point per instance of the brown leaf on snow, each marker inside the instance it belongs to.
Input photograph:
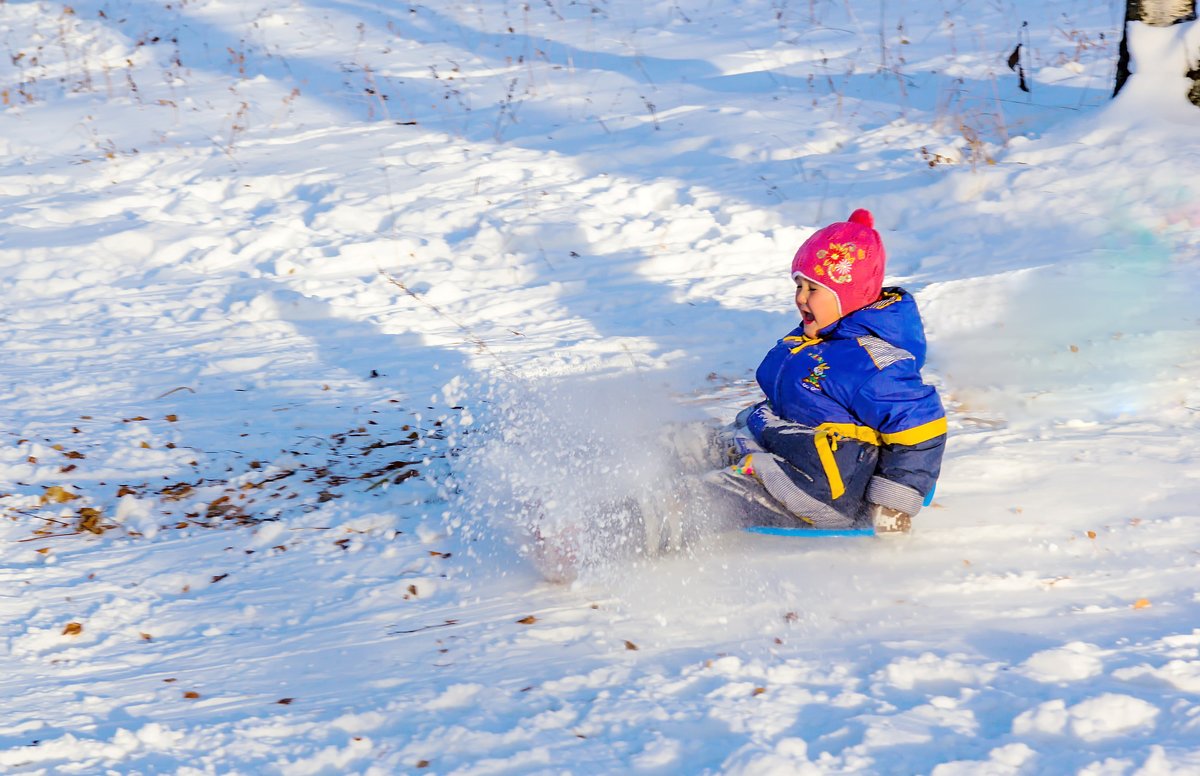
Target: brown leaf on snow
(391, 467)
(285, 701)
(89, 520)
(222, 509)
(1091, 534)
(759, 690)
(422, 763)
(56, 494)
(72, 629)
(74, 455)
(530, 620)
(1141, 603)
(191, 695)
(629, 645)
(146, 637)
(176, 492)
(172, 418)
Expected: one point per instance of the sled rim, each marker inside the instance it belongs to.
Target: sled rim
(775, 530)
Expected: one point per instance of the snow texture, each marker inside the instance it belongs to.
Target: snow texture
(313, 309)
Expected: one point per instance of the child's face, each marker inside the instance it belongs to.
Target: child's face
(818, 306)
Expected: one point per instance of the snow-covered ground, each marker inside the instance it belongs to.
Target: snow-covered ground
(277, 274)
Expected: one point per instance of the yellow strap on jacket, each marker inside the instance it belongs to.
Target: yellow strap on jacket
(829, 434)
(800, 343)
(827, 437)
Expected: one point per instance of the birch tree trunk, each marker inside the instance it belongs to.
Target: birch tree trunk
(1158, 13)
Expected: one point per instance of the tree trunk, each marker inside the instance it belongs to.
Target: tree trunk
(1158, 13)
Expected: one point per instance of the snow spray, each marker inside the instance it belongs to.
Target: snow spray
(591, 467)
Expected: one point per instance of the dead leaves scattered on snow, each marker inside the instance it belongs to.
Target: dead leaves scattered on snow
(355, 458)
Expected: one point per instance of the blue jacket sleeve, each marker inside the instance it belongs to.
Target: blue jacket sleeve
(756, 420)
(911, 422)
(790, 440)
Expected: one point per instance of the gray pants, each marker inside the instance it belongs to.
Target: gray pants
(769, 498)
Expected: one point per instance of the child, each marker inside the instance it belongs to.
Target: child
(848, 433)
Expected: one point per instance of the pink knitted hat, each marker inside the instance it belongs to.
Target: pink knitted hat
(847, 258)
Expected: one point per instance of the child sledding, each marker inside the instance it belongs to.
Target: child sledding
(848, 434)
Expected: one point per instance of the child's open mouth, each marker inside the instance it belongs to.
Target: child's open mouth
(807, 316)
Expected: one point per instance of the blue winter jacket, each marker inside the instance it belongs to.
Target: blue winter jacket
(848, 413)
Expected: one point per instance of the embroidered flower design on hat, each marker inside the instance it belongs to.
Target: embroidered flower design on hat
(847, 258)
(837, 262)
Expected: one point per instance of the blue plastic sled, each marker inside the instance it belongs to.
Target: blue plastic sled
(812, 533)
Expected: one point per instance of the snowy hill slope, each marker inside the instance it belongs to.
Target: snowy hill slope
(264, 264)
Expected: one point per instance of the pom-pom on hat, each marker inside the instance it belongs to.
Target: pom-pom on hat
(847, 258)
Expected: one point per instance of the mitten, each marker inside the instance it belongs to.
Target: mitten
(890, 522)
